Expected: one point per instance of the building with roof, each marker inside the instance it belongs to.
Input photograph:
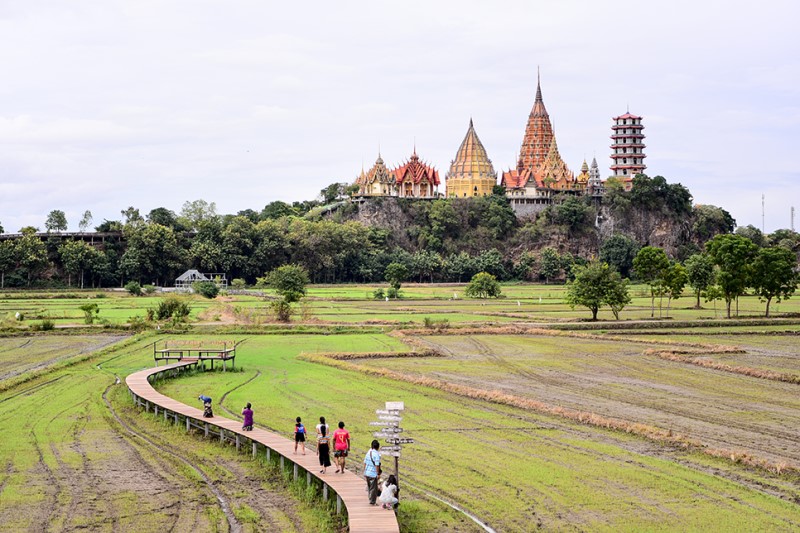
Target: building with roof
(415, 179)
(471, 172)
(627, 147)
(540, 173)
(379, 181)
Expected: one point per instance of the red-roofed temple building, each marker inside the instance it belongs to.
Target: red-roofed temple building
(415, 179)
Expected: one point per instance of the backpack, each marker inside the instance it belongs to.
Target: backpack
(301, 429)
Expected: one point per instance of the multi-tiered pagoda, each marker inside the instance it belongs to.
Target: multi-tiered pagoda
(627, 147)
(379, 181)
(540, 171)
(471, 172)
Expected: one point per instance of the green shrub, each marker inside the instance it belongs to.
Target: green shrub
(149, 289)
(134, 288)
(378, 294)
(392, 292)
(207, 289)
(171, 307)
(101, 295)
(90, 312)
(44, 325)
(238, 284)
(282, 310)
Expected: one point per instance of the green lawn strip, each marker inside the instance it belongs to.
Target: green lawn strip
(288, 387)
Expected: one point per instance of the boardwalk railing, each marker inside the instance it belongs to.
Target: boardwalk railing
(348, 488)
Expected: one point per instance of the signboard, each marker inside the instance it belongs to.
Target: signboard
(392, 454)
(390, 448)
(396, 406)
(398, 440)
(390, 417)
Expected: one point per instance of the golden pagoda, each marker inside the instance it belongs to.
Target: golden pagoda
(582, 179)
(553, 172)
(471, 172)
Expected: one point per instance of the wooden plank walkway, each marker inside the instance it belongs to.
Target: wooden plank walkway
(349, 489)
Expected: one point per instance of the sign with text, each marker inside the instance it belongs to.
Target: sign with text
(395, 406)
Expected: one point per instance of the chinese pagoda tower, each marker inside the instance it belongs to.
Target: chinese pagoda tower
(628, 148)
(471, 172)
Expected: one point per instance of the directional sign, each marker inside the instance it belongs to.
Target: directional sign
(387, 411)
(399, 406)
(390, 448)
(392, 454)
(380, 434)
(390, 417)
(398, 440)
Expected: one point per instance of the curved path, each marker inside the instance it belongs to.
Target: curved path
(348, 488)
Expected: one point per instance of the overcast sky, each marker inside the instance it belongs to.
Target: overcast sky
(107, 104)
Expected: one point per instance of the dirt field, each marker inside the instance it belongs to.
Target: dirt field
(613, 379)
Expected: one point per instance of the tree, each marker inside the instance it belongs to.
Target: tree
(483, 285)
(619, 251)
(195, 214)
(700, 270)
(332, 192)
(424, 263)
(733, 255)
(675, 279)
(86, 220)
(774, 274)
(77, 257)
(752, 233)
(1, 228)
(710, 220)
(649, 265)
(549, 264)
(30, 253)
(596, 285)
(134, 288)
(289, 281)
(7, 261)
(132, 216)
(56, 221)
(153, 253)
(395, 274)
(277, 209)
(165, 217)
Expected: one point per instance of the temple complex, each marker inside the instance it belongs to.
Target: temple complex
(471, 172)
(627, 148)
(415, 179)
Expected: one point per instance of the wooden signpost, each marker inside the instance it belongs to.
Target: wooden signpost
(389, 420)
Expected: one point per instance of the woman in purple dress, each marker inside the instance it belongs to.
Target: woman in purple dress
(247, 413)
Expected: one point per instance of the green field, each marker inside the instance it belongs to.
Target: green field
(73, 457)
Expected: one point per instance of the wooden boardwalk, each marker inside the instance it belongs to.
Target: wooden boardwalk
(348, 488)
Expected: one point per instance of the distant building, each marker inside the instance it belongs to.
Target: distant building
(379, 181)
(540, 171)
(471, 172)
(627, 148)
(415, 179)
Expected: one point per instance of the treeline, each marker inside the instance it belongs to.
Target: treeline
(445, 240)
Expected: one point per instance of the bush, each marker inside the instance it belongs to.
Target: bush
(282, 310)
(238, 284)
(44, 325)
(171, 307)
(101, 295)
(440, 324)
(134, 288)
(391, 292)
(207, 289)
(90, 312)
(149, 289)
(137, 323)
(378, 294)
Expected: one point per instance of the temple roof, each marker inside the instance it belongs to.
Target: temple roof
(416, 171)
(538, 135)
(471, 160)
(515, 178)
(379, 173)
(626, 115)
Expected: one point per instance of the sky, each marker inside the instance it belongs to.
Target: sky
(107, 104)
